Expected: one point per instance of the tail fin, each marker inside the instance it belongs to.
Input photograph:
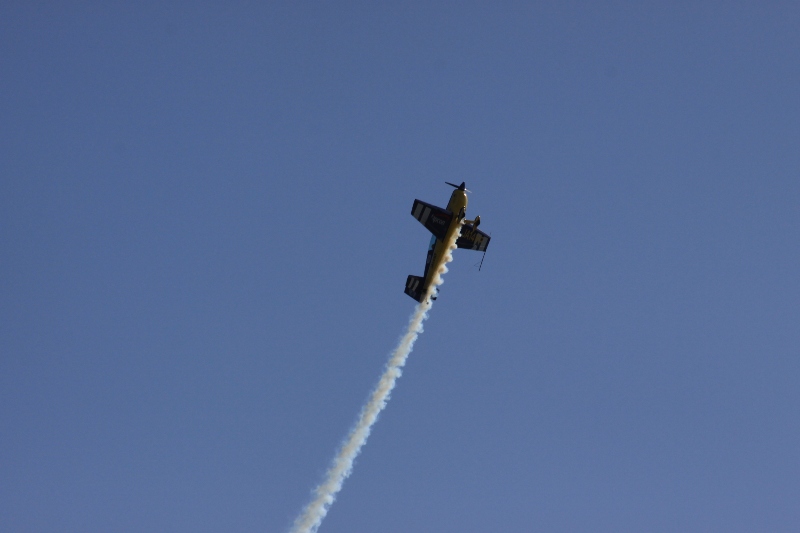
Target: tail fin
(415, 286)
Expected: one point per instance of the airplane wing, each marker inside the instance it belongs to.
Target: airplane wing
(436, 219)
(472, 239)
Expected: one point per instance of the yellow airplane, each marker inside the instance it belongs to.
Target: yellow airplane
(443, 223)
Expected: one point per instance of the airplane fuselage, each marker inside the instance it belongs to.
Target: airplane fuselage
(458, 206)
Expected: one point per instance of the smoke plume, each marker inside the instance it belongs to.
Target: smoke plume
(324, 495)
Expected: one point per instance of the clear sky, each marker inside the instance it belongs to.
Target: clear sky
(205, 233)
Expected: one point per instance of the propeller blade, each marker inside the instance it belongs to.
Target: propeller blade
(462, 187)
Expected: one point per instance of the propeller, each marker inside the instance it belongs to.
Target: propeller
(462, 187)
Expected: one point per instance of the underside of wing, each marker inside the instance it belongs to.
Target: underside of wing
(472, 239)
(436, 219)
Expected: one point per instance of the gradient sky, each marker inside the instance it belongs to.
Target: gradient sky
(205, 233)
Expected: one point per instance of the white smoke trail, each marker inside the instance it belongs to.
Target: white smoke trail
(324, 495)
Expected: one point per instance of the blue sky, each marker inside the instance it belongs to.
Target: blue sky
(205, 232)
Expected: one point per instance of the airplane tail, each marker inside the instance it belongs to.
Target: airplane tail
(414, 287)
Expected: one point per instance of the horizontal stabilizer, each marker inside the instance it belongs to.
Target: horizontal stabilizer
(436, 219)
(415, 287)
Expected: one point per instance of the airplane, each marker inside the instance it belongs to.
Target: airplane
(442, 223)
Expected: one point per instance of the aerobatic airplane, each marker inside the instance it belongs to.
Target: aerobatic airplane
(442, 223)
